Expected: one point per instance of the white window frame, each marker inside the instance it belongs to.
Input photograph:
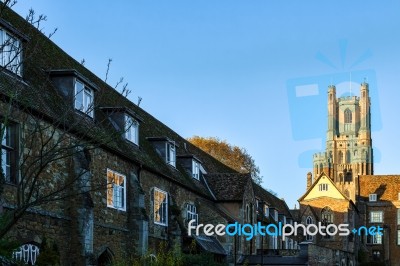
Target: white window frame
(398, 237)
(376, 216)
(156, 204)
(170, 153)
(85, 104)
(27, 253)
(9, 152)
(191, 213)
(266, 210)
(116, 192)
(131, 129)
(6, 149)
(376, 239)
(195, 169)
(373, 197)
(11, 45)
(398, 216)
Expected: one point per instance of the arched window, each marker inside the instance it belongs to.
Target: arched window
(321, 167)
(27, 253)
(348, 116)
(340, 157)
(327, 215)
(355, 153)
(348, 159)
(340, 177)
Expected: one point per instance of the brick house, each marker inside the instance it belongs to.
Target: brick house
(379, 205)
(109, 181)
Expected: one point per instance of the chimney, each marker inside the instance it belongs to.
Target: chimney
(309, 180)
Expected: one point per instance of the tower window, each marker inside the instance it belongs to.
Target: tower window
(340, 159)
(348, 116)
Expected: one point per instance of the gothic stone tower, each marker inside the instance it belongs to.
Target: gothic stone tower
(348, 144)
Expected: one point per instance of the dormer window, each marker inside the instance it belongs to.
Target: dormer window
(372, 197)
(10, 52)
(266, 211)
(171, 153)
(83, 98)
(131, 129)
(166, 149)
(196, 169)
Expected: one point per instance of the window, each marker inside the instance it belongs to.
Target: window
(196, 170)
(266, 211)
(131, 129)
(10, 52)
(248, 214)
(323, 187)
(160, 207)
(326, 215)
(398, 216)
(171, 153)
(27, 253)
(8, 153)
(340, 157)
(375, 239)
(372, 197)
(83, 98)
(398, 236)
(347, 116)
(309, 221)
(191, 213)
(376, 217)
(116, 196)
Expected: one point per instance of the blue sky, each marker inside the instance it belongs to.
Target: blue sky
(229, 69)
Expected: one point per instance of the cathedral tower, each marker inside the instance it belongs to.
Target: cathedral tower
(348, 143)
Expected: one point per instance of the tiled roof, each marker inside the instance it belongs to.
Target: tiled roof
(39, 94)
(273, 200)
(228, 186)
(387, 187)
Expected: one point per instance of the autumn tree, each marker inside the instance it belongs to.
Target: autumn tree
(233, 156)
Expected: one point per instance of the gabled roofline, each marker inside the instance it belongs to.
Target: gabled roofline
(315, 183)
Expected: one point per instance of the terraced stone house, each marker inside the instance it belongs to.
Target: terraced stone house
(89, 178)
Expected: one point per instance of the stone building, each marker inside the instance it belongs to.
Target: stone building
(90, 178)
(345, 190)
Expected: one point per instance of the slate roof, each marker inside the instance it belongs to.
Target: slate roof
(39, 95)
(210, 244)
(273, 200)
(228, 186)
